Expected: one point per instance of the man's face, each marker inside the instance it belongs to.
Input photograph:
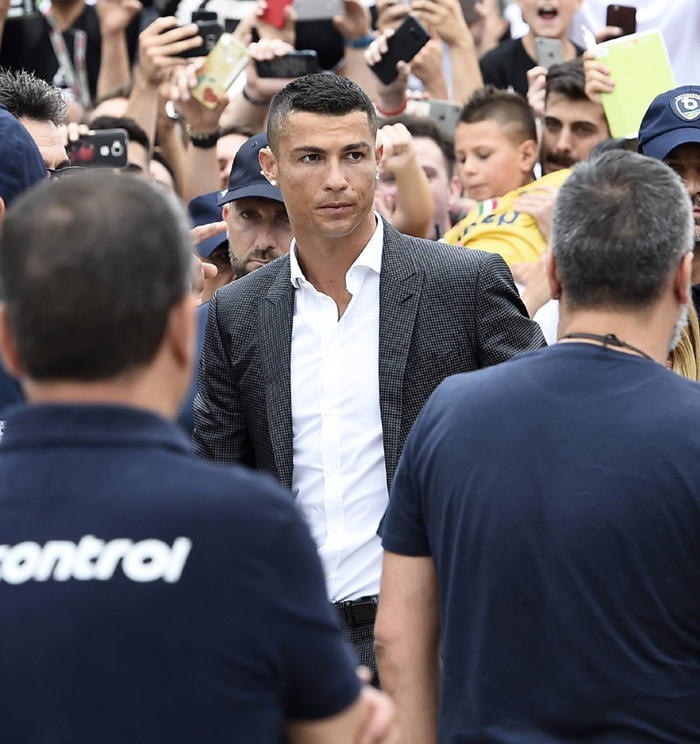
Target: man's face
(432, 161)
(489, 164)
(224, 271)
(258, 232)
(549, 18)
(48, 139)
(226, 149)
(685, 160)
(326, 168)
(571, 130)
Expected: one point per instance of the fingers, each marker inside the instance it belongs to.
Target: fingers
(378, 48)
(380, 725)
(609, 32)
(203, 232)
(266, 49)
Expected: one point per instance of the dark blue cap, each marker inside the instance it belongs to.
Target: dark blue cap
(246, 174)
(203, 210)
(21, 164)
(672, 119)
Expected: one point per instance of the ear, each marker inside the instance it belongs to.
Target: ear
(226, 211)
(379, 154)
(268, 163)
(8, 345)
(552, 274)
(682, 279)
(455, 188)
(528, 153)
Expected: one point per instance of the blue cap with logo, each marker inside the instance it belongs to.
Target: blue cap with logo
(21, 164)
(246, 174)
(672, 119)
(203, 210)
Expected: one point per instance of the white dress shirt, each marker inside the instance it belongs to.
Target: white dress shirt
(339, 476)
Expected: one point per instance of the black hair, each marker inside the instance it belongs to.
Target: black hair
(329, 95)
(567, 79)
(509, 110)
(26, 96)
(423, 126)
(90, 268)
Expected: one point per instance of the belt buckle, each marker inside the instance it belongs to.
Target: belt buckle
(363, 610)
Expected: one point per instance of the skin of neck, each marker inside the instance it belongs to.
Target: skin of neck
(649, 330)
(326, 260)
(66, 13)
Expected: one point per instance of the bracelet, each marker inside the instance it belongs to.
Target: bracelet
(254, 101)
(205, 141)
(361, 43)
(392, 113)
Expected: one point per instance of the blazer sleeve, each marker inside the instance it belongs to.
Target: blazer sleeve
(220, 428)
(503, 328)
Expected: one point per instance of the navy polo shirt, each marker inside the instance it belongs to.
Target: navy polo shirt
(148, 596)
(558, 495)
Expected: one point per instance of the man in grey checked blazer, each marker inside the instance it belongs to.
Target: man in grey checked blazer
(441, 310)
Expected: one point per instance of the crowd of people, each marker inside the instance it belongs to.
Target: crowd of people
(346, 410)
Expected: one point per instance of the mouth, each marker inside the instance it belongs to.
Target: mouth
(338, 208)
(477, 191)
(547, 13)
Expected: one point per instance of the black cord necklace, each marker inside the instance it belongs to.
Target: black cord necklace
(610, 339)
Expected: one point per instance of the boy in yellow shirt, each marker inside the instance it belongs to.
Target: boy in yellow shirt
(496, 150)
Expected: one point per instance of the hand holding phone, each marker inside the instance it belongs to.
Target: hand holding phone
(104, 148)
(210, 30)
(291, 65)
(410, 37)
(624, 17)
(222, 66)
(548, 52)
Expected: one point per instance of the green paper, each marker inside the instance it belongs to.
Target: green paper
(640, 68)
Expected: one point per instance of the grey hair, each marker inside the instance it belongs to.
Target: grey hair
(622, 223)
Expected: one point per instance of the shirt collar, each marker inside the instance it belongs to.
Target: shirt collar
(371, 256)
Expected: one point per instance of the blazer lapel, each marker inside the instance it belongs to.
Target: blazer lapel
(275, 344)
(400, 287)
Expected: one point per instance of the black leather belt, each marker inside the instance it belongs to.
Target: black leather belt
(357, 611)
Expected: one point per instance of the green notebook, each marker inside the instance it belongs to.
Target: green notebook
(640, 68)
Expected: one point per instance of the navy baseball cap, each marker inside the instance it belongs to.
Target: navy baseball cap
(672, 119)
(246, 174)
(203, 210)
(21, 164)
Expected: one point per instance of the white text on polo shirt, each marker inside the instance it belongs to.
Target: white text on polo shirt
(94, 559)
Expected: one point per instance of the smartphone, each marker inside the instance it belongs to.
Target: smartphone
(470, 15)
(22, 9)
(274, 13)
(222, 66)
(548, 51)
(624, 17)
(444, 113)
(410, 37)
(104, 148)
(318, 10)
(290, 65)
(209, 28)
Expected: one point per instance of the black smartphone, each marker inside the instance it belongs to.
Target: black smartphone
(209, 28)
(624, 17)
(410, 37)
(291, 65)
(105, 148)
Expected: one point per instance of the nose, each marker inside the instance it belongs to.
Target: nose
(691, 180)
(335, 179)
(470, 166)
(564, 143)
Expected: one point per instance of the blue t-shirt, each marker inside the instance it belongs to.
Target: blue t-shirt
(559, 497)
(148, 596)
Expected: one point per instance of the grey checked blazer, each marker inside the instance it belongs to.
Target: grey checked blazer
(443, 309)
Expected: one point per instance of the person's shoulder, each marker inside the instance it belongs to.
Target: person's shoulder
(253, 285)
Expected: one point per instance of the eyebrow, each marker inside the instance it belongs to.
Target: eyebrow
(320, 151)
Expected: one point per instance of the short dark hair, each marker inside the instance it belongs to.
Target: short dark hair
(26, 96)
(329, 95)
(422, 126)
(136, 134)
(90, 269)
(622, 223)
(509, 110)
(567, 79)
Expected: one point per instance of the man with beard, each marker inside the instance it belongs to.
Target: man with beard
(256, 218)
(573, 124)
(670, 131)
(536, 526)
